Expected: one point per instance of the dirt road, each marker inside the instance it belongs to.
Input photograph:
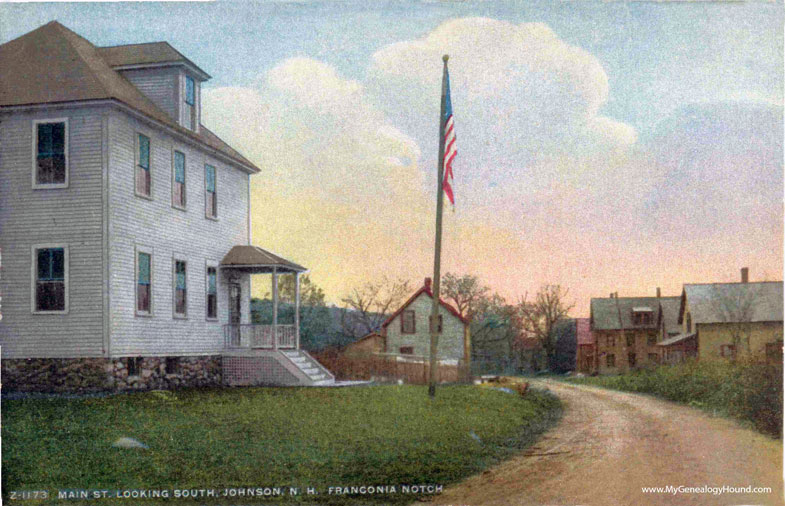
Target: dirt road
(611, 444)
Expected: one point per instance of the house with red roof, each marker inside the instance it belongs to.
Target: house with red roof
(407, 330)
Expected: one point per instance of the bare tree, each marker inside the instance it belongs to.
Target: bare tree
(539, 316)
(465, 292)
(366, 308)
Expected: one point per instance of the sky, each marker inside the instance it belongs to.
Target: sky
(604, 147)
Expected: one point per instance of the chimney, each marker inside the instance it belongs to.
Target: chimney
(659, 294)
(745, 274)
(428, 284)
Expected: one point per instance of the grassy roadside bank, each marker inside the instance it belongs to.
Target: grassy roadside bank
(750, 392)
(268, 437)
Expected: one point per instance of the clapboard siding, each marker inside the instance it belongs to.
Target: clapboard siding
(70, 216)
(450, 341)
(155, 225)
(159, 85)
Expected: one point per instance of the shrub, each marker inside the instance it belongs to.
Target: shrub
(746, 390)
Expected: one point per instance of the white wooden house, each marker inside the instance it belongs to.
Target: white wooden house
(125, 227)
(407, 330)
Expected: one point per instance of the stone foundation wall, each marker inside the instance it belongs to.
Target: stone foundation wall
(101, 374)
(151, 374)
(55, 375)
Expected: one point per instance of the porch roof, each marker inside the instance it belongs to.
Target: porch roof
(257, 260)
(676, 339)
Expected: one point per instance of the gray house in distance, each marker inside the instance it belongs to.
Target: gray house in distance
(125, 227)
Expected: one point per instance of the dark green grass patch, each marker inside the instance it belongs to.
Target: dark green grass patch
(267, 437)
(748, 391)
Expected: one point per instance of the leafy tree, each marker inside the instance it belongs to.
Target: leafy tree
(495, 330)
(315, 317)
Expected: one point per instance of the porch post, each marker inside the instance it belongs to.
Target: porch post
(297, 310)
(275, 309)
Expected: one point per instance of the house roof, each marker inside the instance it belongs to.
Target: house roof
(583, 330)
(255, 257)
(733, 302)
(53, 65)
(366, 337)
(147, 53)
(670, 314)
(426, 290)
(605, 312)
(676, 339)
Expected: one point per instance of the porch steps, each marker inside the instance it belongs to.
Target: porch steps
(316, 373)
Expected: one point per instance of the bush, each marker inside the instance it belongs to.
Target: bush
(745, 390)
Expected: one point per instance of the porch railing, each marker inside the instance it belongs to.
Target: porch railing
(259, 336)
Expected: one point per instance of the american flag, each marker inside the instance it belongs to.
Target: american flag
(449, 142)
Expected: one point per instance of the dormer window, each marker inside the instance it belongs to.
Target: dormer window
(642, 316)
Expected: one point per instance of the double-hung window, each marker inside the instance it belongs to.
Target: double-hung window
(51, 273)
(180, 289)
(178, 183)
(51, 153)
(408, 322)
(143, 166)
(212, 293)
(210, 200)
(143, 283)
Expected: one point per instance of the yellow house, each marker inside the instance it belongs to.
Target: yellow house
(730, 320)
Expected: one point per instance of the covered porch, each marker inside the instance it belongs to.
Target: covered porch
(245, 261)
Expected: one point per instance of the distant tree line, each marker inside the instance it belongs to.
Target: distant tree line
(506, 337)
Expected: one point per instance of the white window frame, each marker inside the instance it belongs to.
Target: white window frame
(137, 133)
(185, 177)
(179, 316)
(149, 251)
(208, 264)
(34, 275)
(50, 186)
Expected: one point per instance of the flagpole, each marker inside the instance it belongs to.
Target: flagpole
(434, 327)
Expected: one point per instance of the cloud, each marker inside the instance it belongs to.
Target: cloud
(519, 92)
(340, 189)
(549, 189)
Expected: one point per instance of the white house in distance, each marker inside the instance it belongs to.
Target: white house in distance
(407, 331)
(125, 227)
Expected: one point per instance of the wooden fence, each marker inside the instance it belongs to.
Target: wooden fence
(387, 368)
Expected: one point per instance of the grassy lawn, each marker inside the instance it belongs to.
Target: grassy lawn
(267, 437)
(750, 392)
